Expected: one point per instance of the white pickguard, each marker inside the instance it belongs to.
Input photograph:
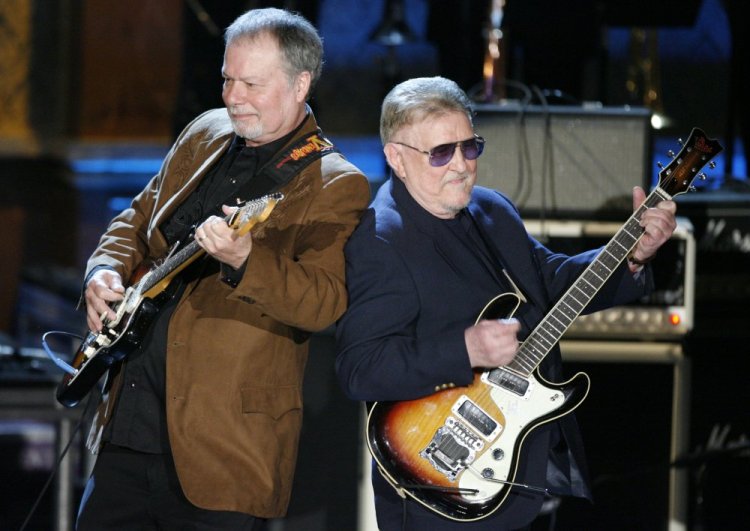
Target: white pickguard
(520, 412)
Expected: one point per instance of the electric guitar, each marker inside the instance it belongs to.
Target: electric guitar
(140, 303)
(456, 452)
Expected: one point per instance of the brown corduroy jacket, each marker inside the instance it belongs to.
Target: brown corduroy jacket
(236, 356)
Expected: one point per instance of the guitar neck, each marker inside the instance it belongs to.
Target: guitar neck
(173, 265)
(549, 331)
(241, 221)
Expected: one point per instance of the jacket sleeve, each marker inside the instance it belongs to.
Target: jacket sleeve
(123, 246)
(305, 288)
(125, 243)
(559, 271)
(380, 355)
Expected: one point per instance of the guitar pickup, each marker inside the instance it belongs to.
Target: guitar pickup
(477, 418)
(507, 380)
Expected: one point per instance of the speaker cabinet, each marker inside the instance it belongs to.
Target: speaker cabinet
(565, 161)
(635, 424)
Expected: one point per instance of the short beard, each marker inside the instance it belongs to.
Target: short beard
(456, 208)
(244, 131)
(247, 132)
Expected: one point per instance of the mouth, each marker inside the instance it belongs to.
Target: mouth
(239, 114)
(458, 180)
(242, 117)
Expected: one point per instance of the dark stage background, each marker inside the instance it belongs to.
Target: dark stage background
(92, 93)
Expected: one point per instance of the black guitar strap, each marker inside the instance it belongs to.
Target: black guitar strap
(286, 164)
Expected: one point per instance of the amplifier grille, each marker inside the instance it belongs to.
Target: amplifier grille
(563, 161)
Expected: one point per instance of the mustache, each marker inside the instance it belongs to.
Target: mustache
(464, 176)
(235, 110)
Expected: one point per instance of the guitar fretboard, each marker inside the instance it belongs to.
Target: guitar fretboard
(248, 212)
(549, 331)
(163, 270)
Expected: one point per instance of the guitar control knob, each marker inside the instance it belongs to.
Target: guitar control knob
(498, 454)
(488, 473)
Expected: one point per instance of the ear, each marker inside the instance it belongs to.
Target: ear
(302, 86)
(394, 159)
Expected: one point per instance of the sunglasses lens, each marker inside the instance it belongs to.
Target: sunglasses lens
(472, 148)
(442, 154)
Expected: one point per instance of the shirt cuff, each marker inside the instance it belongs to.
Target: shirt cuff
(231, 276)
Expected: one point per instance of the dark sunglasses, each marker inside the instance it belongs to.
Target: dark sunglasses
(442, 154)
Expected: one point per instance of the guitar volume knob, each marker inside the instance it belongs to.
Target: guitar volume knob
(498, 454)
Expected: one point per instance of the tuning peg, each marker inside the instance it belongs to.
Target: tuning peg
(661, 166)
(702, 176)
(712, 164)
(692, 188)
(670, 153)
(680, 142)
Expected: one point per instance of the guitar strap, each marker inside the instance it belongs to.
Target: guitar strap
(272, 176)
(287, 163)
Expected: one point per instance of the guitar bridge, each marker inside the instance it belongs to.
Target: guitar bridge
(452, 448)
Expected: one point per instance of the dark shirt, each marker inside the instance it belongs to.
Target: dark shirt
(139, 419)
(488, 266)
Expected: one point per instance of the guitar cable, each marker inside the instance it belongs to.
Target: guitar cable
(57, 361)
(56, 467)
(459, 490)
(55, 357)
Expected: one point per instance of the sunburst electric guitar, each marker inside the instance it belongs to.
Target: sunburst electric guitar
(141, 301)
(456, 452)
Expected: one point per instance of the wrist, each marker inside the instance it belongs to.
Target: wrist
(639, 261)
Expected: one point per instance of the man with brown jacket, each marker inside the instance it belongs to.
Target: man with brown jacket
(200, 424)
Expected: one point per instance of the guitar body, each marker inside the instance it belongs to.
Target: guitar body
(99, 351)
(140, 303)
(456, 451)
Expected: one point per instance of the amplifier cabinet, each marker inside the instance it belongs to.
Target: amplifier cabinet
(631, 437)
(565, 161)
(665, 314)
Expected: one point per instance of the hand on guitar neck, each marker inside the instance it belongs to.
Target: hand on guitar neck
(223, 242)
(658, 224)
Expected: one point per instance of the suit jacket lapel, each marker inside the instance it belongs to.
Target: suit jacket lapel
(504, 248)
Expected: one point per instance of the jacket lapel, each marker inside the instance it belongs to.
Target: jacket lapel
(190, 176)
(510, 255)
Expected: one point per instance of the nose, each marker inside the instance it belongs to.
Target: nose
(458, 161)
(232, 92)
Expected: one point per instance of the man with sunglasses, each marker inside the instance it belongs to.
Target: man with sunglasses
(432, 250)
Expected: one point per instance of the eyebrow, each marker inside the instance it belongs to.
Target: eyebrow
(254, 80)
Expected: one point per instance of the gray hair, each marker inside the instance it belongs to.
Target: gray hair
(298, 40)
(418, 98)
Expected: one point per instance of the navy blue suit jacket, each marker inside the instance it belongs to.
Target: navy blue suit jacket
(413, 290)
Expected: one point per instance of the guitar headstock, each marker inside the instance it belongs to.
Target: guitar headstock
(252, 212)
(678, 176)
